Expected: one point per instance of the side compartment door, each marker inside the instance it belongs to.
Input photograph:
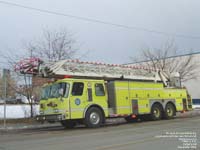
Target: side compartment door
(123, 104)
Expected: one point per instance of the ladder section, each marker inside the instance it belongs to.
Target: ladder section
(76, 68)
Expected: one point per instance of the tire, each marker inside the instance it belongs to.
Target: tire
(156, 112)
(170, 111)
(69, 124)
(129, 119)
(94, 118)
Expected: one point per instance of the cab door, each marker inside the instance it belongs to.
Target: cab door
(77, 100)
(63, 98)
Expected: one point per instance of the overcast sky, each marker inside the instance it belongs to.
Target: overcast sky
(105, 43)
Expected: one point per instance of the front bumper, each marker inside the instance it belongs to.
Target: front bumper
(51, 118)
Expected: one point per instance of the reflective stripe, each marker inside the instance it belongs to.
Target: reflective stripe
(82, 109)
(126, 88)
(146, 88)
(123, 107)
(53, 111)
(173, 90)
(165, 89)
(105, 108)
(143, 106)
(77, 109)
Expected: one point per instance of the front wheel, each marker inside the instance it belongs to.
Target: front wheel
(94, 118)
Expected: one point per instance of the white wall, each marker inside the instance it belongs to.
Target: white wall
(17, 111)
(193, 85)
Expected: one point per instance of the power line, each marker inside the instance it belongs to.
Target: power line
(101, 21)
(168, 57)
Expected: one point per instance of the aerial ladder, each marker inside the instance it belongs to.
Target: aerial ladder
(81, 69)
(95, 70)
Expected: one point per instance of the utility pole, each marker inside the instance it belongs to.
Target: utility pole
(5, 75)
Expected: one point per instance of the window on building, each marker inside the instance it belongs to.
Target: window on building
(77, 89)
(99, 90)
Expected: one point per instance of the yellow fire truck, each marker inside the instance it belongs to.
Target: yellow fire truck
(89, 93)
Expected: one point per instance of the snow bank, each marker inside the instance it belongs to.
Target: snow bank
(196, 106)
(18, 111)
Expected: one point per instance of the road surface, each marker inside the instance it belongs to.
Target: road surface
(180, 133)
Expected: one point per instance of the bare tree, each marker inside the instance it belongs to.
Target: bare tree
(167, 60)
(53, 46)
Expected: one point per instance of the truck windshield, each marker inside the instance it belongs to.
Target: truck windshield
(59, 89)
(54, 91)
(46, 92)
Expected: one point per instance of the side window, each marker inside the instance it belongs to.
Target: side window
(89, 94)
(99, 90)
(65, 89)
(77, 89)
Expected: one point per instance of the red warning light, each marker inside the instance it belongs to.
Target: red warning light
(133, 116)
(67, 76)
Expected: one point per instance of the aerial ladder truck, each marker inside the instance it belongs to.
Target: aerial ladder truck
(90, 92)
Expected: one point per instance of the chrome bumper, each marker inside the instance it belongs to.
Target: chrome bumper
(54, 117)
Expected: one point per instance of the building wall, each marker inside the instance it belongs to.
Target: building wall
(39, 81)
(193, 85)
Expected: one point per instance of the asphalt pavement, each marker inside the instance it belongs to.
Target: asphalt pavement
(182, 132)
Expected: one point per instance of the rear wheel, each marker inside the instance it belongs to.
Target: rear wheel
(170, 111)
(68, 124)
(94, 118)
(156, 112)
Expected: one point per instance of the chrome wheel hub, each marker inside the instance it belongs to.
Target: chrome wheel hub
(94, 118)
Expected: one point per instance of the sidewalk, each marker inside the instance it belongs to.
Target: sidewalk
(20, 124)
(17, 124)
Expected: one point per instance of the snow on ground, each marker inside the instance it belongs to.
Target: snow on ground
(18, 111)
(196, 106)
